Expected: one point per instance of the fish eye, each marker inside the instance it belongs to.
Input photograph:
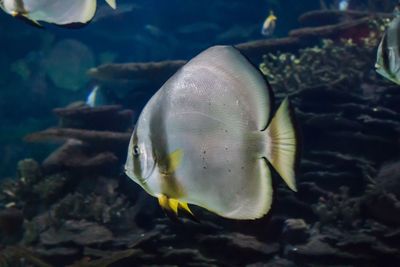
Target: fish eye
(136, 151)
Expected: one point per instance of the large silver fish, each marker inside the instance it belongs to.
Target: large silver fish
(60, 12)
(207, 138)
(388, 54)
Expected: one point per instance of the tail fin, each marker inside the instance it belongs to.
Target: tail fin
(282, 144)
(112, 3)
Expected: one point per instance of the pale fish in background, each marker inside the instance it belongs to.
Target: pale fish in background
(207, 138)
(269, 25)
(388, 54)
(60, 12)
(66, 63)
(344, 5)
(96, 97)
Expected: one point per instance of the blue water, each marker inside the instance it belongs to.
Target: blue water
(152, 31)
(345, 123)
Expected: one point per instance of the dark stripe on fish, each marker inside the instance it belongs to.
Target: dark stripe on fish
(158, 136)
(397, 32)
(20, 6)
(137, 168)
(384, 54)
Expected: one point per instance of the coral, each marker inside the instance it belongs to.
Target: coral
(51, 187)
(95, 139)
(105, 261)
(11, 221)
(318, 66)
(84, 117)
(338, 209)
(19, 256)
(295, 231)
(329, 17)
(29, 171)
(156, 71)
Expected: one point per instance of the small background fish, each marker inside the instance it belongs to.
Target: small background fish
(388, 53)
(269, 24)
(58, 12)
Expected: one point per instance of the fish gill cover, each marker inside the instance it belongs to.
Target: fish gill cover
(77, 208)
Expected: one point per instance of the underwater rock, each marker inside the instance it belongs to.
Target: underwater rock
(254, 50)
(17, 255)
(355, 29)
(86, 150)
(51, 187)
(11, 221)
(159, 72)
(79, 157)
(276, 262)
(136, 239)
(183, 256)
(107, 258)
(388, 178)
(80, 233)
(109, 118)
(383, 207)
(101, 140)
(371, 244)
(150, 72)
(328, 17)
(319, 252)
(58, 254)
(250, 248)
(295, 231)
(338, 209)
(29, 170)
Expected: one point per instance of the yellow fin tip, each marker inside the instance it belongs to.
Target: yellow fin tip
(173, 204)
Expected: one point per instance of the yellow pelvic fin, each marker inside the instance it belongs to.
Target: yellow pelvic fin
(172, 204)
(174, 160)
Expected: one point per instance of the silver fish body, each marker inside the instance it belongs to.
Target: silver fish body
(60, 12)
(388, 54)
(203, 138)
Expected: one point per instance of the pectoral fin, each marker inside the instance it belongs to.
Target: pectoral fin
(24, 17)
(27, 20)
(174, 160)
